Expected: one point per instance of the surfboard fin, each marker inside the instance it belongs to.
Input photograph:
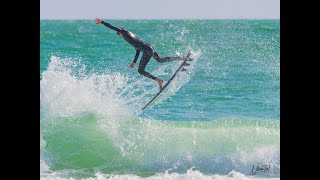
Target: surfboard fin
(185, 70)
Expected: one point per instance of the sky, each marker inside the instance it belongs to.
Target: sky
(160, 9)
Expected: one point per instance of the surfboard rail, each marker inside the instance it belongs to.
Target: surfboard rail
(168, 82)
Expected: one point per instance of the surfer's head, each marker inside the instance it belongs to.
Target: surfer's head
(119, 34)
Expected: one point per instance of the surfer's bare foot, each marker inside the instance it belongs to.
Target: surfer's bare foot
(186, 57)
(159, 81)
(183, 57)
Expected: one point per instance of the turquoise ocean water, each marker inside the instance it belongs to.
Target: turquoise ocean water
(218, 120)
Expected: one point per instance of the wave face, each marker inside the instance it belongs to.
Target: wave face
(215, 121)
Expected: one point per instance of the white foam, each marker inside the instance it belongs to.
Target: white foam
(43, 165)
(63, 94)
(189, 175)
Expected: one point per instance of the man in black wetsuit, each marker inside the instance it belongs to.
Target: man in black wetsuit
(147, 50)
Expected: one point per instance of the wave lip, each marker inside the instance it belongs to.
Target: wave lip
(66, 89)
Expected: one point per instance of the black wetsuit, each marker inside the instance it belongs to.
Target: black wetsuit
(146, 48)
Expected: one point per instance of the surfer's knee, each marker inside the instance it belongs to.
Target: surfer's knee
(141, 71)
(160, 60)
(157, 58)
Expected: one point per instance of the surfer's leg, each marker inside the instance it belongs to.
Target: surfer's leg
(166, 59)
(142, 65)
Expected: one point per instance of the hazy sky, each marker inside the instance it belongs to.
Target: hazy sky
(160, 9)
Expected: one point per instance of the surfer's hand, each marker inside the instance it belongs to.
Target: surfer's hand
(132, 65)
(98, 21)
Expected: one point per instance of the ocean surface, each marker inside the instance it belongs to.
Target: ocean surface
(219, 119)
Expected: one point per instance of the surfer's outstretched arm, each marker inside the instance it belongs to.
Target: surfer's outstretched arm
(111, 27)
(99, 21)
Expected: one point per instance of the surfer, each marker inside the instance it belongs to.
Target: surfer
(146, 48)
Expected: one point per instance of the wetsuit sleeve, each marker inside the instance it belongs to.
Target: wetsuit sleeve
(111, 27)
(136, 57)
